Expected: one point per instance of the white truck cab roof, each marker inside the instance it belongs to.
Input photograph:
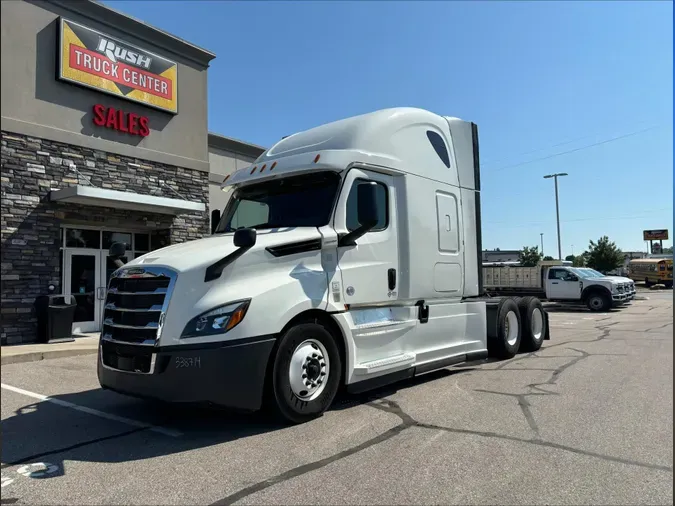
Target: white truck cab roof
(396, 138)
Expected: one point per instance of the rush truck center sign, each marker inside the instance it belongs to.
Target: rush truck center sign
(96, 60)
(655, 235)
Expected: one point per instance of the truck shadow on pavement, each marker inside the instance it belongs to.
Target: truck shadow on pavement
(583, 309)
(51, 434)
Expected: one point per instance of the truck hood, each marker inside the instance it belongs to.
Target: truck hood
(203, 252)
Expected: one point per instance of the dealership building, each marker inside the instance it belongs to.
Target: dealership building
(104, 139)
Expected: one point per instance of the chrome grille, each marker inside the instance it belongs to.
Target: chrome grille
(135, 304)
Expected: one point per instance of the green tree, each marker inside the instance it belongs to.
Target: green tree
(548, 257)
(580, 260)
(530, 256)
(604, 255)
(569, 258)
(668, 251)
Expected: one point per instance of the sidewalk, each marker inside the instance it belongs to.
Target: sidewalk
(18, 353)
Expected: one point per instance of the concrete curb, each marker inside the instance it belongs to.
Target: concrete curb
(37, 356)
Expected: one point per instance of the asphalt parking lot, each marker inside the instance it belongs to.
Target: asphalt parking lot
(586, 420)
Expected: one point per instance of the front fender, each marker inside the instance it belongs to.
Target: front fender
(594, 289)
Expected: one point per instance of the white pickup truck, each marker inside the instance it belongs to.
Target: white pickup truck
(629, 284)
(557, 283)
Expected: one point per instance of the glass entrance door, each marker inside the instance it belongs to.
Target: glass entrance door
(81, 280)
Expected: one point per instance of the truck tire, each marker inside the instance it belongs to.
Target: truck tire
(533, 322)
(305, 374)
(598, 301)
(507, 341)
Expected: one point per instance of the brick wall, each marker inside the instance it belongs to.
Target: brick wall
(30, 223)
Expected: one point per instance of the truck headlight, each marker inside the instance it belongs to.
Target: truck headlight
(218, 320)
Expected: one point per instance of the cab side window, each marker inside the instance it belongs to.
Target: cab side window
(560, 274)
(382, 196)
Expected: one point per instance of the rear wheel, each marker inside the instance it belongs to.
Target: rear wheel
(306, 373)
(599, 302)
(533, 323)
(507, 341)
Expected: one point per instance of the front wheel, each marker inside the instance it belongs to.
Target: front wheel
(306, 373)
(599, 302)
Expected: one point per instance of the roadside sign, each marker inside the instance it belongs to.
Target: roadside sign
(655, 235)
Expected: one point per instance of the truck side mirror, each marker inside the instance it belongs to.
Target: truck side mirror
(215, 220)
(116, 252)
(366, 205)
(366, 213)
(245, 237)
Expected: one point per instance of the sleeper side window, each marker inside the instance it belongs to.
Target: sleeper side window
(382, 197)
(439, 146)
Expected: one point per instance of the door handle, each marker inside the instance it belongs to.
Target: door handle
(391, 278)
(554, 282)
(100, 293)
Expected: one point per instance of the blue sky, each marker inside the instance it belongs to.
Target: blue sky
(539, 78)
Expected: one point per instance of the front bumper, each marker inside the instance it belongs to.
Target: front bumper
(229, 374)
(620, 298)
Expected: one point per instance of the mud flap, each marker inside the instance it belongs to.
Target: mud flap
(547, 335)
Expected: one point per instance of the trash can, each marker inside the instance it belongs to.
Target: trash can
(55, 315)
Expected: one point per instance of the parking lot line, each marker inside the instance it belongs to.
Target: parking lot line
(95, 412)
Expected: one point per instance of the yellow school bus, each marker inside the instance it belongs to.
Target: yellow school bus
(652, 271)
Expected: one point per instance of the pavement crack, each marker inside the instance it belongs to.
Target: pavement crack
(524, 405)
(36, 456)
(659, 327)
(384, 405)
(547, 444)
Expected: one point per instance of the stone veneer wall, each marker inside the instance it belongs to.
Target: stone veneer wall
(31, 233)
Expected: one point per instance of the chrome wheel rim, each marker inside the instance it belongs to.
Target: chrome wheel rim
(511, 328)
(537, 324)
(308, 370)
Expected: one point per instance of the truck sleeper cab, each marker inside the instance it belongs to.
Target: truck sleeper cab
(347, 255)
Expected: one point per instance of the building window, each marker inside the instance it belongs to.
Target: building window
(83, 238)
(439, 146)
(111, 237)
(382, 200)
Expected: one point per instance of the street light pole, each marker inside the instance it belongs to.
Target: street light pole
(541, 236)
(557, 207)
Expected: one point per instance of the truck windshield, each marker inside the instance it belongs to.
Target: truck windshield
(296, 201)
(582, 273)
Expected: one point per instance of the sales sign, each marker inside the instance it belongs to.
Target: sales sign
(96, 60)
(655, 235)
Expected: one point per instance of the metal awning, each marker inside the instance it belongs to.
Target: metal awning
(102, 197)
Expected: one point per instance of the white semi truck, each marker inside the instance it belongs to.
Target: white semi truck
(347, 255)
(559, 283)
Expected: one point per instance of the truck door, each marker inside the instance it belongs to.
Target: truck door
(370, 268)
(562, 285)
